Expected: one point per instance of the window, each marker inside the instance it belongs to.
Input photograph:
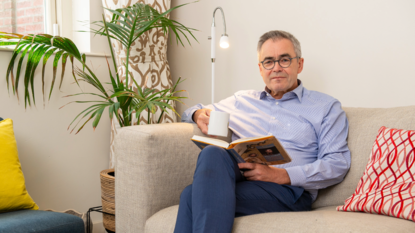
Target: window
(22, 16)
(43, 16)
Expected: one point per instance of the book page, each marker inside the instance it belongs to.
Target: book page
(211, 141)
(250, 139)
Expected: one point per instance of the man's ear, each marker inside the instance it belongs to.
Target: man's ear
(300, 65)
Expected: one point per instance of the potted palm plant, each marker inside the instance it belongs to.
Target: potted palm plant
(123, 103)
(126, 26)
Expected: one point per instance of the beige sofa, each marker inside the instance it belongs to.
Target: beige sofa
(156, 162)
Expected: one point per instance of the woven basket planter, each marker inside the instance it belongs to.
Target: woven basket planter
(108, 198)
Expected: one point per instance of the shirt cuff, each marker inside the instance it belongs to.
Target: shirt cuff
(187, 116)
(296, 175)
(191, 116)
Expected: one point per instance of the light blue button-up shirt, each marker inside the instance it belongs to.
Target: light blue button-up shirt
(310, 125)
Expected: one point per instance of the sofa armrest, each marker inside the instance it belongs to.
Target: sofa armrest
(154, 164)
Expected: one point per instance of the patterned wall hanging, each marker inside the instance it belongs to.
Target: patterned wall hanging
(148, 62)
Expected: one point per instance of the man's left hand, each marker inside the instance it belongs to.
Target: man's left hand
(266, 173)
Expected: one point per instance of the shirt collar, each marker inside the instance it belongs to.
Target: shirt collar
(298, 91)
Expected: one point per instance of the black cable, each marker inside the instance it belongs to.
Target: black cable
(88, 216)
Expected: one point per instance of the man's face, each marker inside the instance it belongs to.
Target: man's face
(280, 80)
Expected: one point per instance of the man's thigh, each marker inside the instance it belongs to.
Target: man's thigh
(254, 197)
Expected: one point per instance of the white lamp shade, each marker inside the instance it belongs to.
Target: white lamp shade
(224, 42)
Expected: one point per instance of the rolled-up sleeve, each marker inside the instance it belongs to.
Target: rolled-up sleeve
(188, 114)
(225, 105)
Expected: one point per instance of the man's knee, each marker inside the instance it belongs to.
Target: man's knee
(186, 194)
(213, 153)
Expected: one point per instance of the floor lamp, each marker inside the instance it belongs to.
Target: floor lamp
(224, 43)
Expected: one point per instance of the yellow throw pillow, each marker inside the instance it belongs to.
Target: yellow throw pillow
(13, 194)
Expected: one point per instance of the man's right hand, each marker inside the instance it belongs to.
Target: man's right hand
(201, 117)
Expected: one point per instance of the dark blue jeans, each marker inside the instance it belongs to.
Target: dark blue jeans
(220, 193)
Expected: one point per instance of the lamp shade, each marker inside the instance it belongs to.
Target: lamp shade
(224, 42)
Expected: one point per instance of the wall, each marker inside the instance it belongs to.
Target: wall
(360, 52)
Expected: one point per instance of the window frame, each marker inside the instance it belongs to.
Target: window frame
(60, 12)
(54, 14)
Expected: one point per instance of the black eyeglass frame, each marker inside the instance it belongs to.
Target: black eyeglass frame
(262, 62)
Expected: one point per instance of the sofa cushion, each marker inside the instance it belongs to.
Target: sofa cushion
(364, 124)
(387, 185)
(325, 219)
(13, 194)
(38, 221)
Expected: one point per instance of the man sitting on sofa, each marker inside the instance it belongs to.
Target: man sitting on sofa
(311, 126)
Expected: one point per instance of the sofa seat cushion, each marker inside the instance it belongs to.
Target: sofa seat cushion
(325, 219)
(39, 221)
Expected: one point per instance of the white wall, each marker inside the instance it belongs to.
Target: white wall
(360, 52)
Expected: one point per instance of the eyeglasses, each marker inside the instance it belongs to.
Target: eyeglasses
(269, 64)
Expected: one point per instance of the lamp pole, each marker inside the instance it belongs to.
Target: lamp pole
(224, 43)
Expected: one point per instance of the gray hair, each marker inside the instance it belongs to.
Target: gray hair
(277, 35)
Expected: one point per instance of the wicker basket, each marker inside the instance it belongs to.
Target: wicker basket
(108, 198)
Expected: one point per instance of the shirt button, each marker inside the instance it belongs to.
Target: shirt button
(273, 118)
(269, 133)
(276, 103)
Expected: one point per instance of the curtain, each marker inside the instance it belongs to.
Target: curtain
(148, 62)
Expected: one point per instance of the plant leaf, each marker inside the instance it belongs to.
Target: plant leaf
(45, 60)
(19, 66)
(64, 57)
(98, 117)
(55, 69)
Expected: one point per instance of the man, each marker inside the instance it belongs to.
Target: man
(311, 126)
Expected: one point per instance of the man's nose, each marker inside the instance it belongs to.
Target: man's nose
(277, 68)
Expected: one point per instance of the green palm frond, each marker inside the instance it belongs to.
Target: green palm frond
(34, 48)
(92, 80)
(159, 99)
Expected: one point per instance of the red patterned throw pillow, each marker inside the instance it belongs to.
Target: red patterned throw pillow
(388, 184)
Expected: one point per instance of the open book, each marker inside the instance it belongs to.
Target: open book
(264, 150)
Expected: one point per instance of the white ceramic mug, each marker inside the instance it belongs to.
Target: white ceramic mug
(218, 123)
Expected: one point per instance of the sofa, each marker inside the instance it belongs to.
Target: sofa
(154, 163)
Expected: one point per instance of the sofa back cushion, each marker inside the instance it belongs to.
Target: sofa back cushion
(364, 124)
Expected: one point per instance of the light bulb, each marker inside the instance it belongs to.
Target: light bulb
(224, 42)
